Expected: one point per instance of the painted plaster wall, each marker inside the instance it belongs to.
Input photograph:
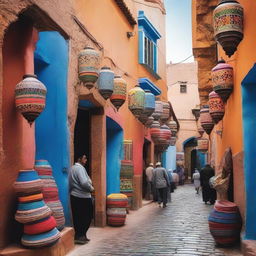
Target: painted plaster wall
(52, 137)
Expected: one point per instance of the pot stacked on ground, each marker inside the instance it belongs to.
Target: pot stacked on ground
(50, 191)
(39, 226)
(116, 209)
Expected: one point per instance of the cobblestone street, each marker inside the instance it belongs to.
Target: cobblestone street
(180, 229)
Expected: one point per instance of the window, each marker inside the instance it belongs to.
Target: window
(148, 37)
(183, 88)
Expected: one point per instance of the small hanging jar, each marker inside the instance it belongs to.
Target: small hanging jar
(228, 25)
(166, 112)
(173, 126)
(119, 93)
(88, 66)
(216, 107)
(155, 131)
(158, 109)
(206, 119)
(222, 79)
(136, 100)
(202, 144)
(106, 82)
(30, 96)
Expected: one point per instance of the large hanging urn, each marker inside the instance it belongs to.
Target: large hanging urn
(119, 92)
(158, 109)
(166, 112)
(155, 131)
(106, 82)
(228, 25)
(173, 126)
(88, 66)
(216, 107)
(206, 119)
(222, 79)
(136, 100)
(202, 144)
(30, 95)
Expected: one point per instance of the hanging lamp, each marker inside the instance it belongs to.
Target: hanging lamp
(136, 100)
(105, 82)
(206, 119)
(119, 92)
(216, 107)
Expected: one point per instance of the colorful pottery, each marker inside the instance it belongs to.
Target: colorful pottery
(228, 25)
(225, 223)
(119, 92)
(106, 82)
(88, 66)
(50, 191)
(173, 140)
(216, 107)
(155, 131)
(206, 119)
(149, 121)
(136, 100)
(200, 128)
(158, 109)
(173, 126)
(117, 200)
(128, 150)
(149, 107)
(30, 96)
(166, 112)
(222, 79)
(202, 144)
(164, 137)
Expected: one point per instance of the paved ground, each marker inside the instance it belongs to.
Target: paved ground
(181, 229)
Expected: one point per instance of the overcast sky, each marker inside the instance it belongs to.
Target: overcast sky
(178, 30)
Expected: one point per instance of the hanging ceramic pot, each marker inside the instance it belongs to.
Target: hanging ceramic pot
(106, 82)
(216, 107)
(30, 95)
(173, 140)
(88, 66)
(228, 25)
(164, 137)
(200, 128)
(166, 112)
(222, 79)
(149, 107)
(155, 131)
(149, 121)
(173, 126)
(206, 119)
(202, 144)
(158, 109)
(136, 100)
(119, 93)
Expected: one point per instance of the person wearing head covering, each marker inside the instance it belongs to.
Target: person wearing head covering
(196, 179)
(161, 183)
(149, 176)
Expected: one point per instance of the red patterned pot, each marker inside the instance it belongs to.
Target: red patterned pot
(155, 131)
(119, 93)
(206, 119)
(216, 107)
(166, 112)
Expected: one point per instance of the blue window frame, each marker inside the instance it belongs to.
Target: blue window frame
(148, 36)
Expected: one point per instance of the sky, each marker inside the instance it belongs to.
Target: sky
(178, 30)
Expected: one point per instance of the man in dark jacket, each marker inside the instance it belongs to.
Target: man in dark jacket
(209, 194)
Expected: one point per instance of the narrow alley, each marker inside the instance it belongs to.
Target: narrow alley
(180, 229)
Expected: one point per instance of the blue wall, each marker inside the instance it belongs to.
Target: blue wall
(249, 138)
(169, 158)
(52, 137)
(114, 155)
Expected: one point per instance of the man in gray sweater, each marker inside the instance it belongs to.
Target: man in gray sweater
(161, 183)
(80, 188)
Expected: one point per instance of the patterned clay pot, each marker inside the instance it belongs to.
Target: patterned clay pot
(173, 126)
(119, 93)
(216, 107)
(136, 100)
(155, 131)
(202, 144)
(222, 79)
(149, 121)
(158, 109)
(164, 137)
(166, 112)
(200, 128)
(173, 140)
(149, 107)
(106, 82)
(228, 25)
(30, 96)
(206, 119)
(88, 66)
(225, 223)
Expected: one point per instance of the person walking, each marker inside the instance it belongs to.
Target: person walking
(208, 193)
(161, 183)
(149, 176)
(196, 179)
(80, 188)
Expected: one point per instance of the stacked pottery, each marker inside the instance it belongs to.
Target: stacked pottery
(173, 126)
(50, 191)
(116, 209)
(30, 95)
(225, 223)
(173, 140)
(206, 119)
(106, 82)
(149, 106)
(158, 109)
(222, 79)
(149, 121)
(228, 25)
(88, 66)
(155, 131)
(136, 100)
(164, 138)
(216, 107)
(39, 226)
(166, 112)
(126, 180)
(202, 144)
(119, 92)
